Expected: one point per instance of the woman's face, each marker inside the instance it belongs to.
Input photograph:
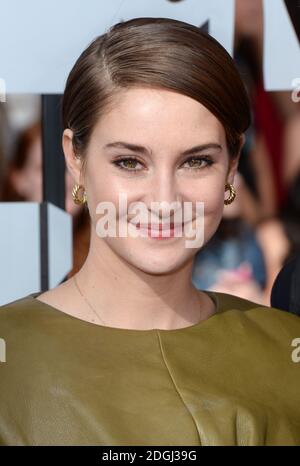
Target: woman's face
(166, 125)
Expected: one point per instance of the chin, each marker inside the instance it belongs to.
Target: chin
(159, 262)
(158, 269)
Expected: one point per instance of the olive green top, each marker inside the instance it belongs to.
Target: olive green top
(228, 380)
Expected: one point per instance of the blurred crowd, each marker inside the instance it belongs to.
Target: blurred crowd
(260, 230)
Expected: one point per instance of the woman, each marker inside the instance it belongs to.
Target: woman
(128, 351)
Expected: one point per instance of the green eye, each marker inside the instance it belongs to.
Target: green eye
(130, 163)
(198, 163)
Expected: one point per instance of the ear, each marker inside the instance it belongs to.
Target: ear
(73, 161)
(233, 164)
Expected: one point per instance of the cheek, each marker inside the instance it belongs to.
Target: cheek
(101, 191)
(213, 200)
(211, 194)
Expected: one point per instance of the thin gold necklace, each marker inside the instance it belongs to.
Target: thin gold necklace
(87, 302)
(94, 310)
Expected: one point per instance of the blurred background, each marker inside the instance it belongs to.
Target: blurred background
(259, 232)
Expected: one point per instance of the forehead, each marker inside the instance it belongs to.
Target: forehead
(158, 114)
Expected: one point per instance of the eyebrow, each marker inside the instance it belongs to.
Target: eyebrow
(144, 150)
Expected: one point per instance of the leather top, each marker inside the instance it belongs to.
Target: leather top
(228, 380)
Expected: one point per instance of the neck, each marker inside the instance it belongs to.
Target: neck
(127, 297)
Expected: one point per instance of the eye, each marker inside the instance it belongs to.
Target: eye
(129, 161)
(199, 163)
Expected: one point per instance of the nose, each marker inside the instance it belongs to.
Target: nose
(165, 197)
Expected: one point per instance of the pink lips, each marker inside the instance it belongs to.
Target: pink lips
(158, 226)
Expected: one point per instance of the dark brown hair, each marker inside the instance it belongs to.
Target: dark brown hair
(155, 52)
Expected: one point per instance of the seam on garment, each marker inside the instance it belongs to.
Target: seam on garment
(174, 383)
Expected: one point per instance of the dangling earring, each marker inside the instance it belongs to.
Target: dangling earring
(75, 192)
(232, 194)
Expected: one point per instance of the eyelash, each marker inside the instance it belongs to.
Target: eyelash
(208, 161)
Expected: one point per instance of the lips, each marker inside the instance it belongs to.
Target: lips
(158, 226)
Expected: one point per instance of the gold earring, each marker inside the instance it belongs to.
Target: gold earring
(76, 198)
(232, 194)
